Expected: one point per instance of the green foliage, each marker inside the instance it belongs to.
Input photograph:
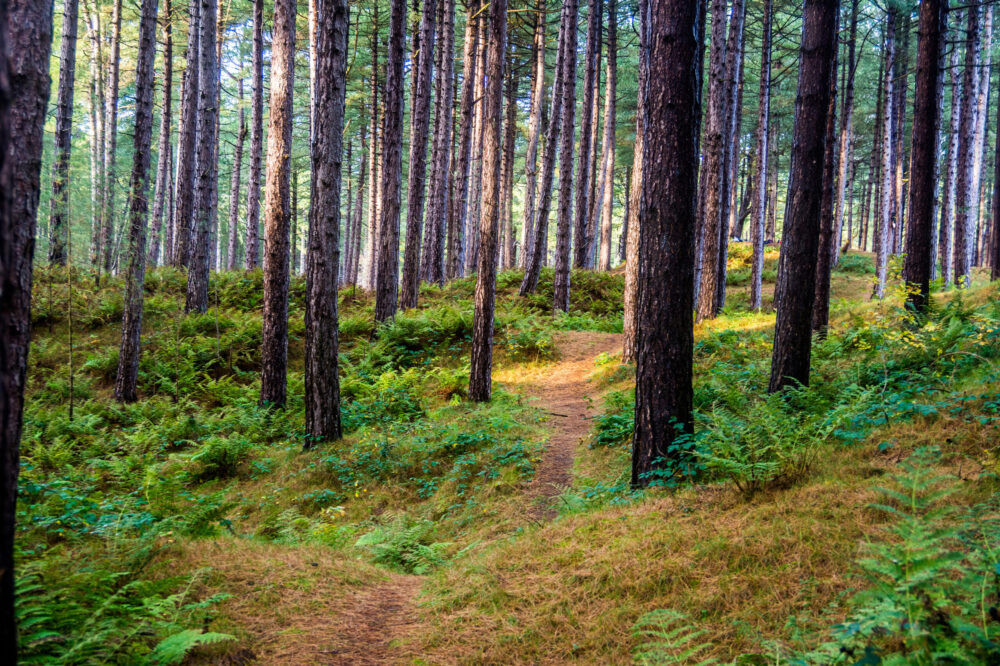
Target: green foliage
(614, 427)
(221, 457)
(666, 636)
(405, 545)
(855, 264)
(529, 342)
(173, 648)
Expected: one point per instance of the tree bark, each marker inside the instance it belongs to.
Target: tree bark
(979, 195)
(274, 344)
(187, 143)
(252, 245)
(138, 207)
(481, 360)
(964, 192)
(507, 169)
(111, 130)
(206, 165)
(797, 268)
(355, 256)
(883, 239)
(759, 208)
(59, 216)
(821, 300)
(564, 221)
(97, 135)
(234, 188)
(663, 394)
(163, 149)
(25, 41)
(439, 204)
(322, 390)
(923, 155)
(416, 176)
(846, 147)
(580, 245)
(534, 131)
(607, 187)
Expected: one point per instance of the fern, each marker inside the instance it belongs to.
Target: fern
(173, 648)
(668, 638)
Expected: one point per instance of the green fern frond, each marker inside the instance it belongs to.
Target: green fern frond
(668, 638)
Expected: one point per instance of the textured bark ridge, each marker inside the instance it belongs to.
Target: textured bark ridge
(252, 249)
(481, 365)
(606, 189)
(138, 207)
(186, 143)
(534, 130)
(663, 395)
(277, 209)
(758, 209)
(59, 218)
(163, 170)
(797, 268)
(322, 397)
(564, 221)
(580, 240)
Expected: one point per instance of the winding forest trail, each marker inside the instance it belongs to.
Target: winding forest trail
(562, 390)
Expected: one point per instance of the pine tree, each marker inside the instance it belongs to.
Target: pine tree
(59, 217)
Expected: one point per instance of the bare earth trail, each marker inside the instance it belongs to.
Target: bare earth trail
(362, 627)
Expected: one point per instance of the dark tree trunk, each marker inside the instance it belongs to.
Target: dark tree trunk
(631, 295)
(899, 160)
(187, 143)
(580, 244)
(994, 253)
(979, 149)
(965, 200)
(883, 237)
(564, 221)
(416, 176)
(539, 244)
(59, 216)
(111, 131)
(277, 208)
(923, 154)
(476, 163)
(322, 397)
(196, 299)
(25, 40)
(481, 362)
(507, 169)
(355, 250)
(138, 207)
(534, 130)
(387, 278)
(797, 269)
(712, 182)
(163, 150)
(663, 390)
(846, 147)
(293, 258)
(438, 205)
(759, 208)
(470, 50)
(607, 187)
(96, 107)
(234, 188)
(875, 166)
(252, 249)
(821, 300)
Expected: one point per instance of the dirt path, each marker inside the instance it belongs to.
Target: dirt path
(562, 390)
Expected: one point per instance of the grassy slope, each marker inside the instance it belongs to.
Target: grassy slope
(237, 508)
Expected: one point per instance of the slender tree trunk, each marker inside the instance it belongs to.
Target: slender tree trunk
(759, 209)
(476, 169)
(59, 216)
(846, 147)
(439, 205)
(111, 130)
(373, 171)
(507, 169)
(964, 192)
(481, 362)
(322, 392)
(25, 41)
(196, 299)
(796, 281)
(923, 146)
(138, 206)
(470, 51)
(348, 223)
(607, 187)
(631, 292)
(534, 131)
(97, 135)
(580, 246)
(274, 344)
(294, 253)
(252, 245)
(234, 188)
(821, 300)
(387, 279)
(712, 169)
(564, 220)
(883, 240)
(358, 213)
(994, 254)
(663, 394)
(899, 159)
(163, 150)
(187, 143)
(416, 183)
(979, 195)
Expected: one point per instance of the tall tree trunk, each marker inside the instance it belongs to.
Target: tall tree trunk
(373, 170)
(274, 343)
(821, 299)
(899, 159)
(994, 254)
(846, 147)
(797, 268)
(97, 134)
(476, 163)
(387, 278)
(25, 41)
(964, 192)
(415, 181)
(234, 187)
(564, 220)
(111, 130)
(59, 216)
(438, 204)
(534, 131)
(923, 147)
(883, 239)
(293, 258)
(163, 150)
(322, 391)
(138, 206)
(759, 208)
(980, 147)
(607, 187)
(348, 223)
(663, 394)
(712, 169)
(507, 168)
(252, 248)
(196, 299)
(358, 211)
(580, 245)
(631, 292)
(481, 360)
(187, 142)
(539, 244)
(470, 51)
